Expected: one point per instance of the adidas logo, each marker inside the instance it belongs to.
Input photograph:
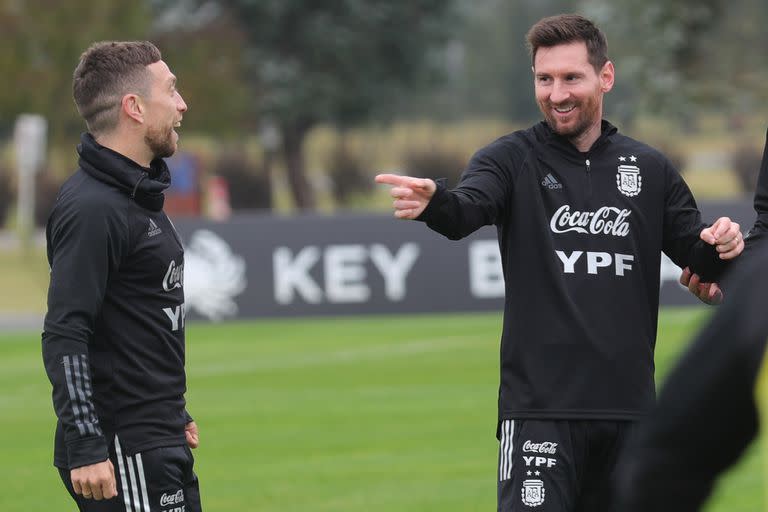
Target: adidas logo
(153, 230)
(551, 182)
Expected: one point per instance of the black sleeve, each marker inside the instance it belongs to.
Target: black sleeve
(761, 192)
(478, 200)
(85, 244)
(682, 226)
(706, 413)
(760, 229)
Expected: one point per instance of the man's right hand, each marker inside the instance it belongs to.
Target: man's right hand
(96, 481)
(412, 195)
(708, 293)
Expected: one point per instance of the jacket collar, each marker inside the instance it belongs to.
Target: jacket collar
(145, 185)
(547, 136)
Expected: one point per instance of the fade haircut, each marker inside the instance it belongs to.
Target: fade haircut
(565, 29)
(107, 71)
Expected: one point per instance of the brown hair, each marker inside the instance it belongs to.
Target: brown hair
(107, 71)
(569, 28)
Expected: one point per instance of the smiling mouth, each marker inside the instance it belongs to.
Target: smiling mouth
(564, 110)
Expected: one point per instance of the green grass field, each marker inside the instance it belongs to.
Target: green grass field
(344, 414)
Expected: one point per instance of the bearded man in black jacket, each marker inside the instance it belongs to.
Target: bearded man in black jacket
(582, 214)
(113, 340)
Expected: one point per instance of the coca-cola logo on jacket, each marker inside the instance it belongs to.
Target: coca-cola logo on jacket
(607, 220)
(545, 447)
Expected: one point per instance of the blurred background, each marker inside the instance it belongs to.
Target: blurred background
(294, 106)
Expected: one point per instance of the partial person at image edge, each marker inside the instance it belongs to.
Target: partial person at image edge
(710, 406)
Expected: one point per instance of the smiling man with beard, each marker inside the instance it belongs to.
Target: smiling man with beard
(113, 340)
(583, 214)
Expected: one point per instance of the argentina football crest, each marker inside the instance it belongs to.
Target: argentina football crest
(533, 492)
(628, 180)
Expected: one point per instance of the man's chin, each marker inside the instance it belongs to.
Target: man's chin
(561, 129)
(166, 151)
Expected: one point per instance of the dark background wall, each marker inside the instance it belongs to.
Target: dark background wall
(266, 266)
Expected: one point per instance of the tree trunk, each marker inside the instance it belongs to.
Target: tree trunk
(293, 153)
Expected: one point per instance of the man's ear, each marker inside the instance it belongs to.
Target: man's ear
(607, 76)
(132, 106)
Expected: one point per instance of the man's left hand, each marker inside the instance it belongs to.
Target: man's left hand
(725, 235)
(193, 435)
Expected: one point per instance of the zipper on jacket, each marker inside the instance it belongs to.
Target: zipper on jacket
(138, 182)
(589, 177)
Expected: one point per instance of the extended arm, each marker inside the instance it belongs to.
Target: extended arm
(478, 200)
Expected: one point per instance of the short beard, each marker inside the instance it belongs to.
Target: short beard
(160, 142)
(589, 110)
(581, 126)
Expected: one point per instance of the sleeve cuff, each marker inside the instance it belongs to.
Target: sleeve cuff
(437, 200)
(84, 452)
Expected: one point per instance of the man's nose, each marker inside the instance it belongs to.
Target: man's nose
(559, 93)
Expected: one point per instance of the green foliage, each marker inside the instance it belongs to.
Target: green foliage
(680, 55)
(208, 59)
(498, 80)
(42, 41)
(331, 61)
(338, 61)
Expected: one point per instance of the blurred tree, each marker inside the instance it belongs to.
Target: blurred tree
(684, 55)
(203, 48)
(347, 171)
(338, 61)
(498, 79)
(42, 41)
(732, 59)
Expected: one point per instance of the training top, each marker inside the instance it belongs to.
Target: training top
(760, 229)
(113, 340)
(581, 236)
(710, 406)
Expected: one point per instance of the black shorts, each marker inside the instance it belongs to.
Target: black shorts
(559, 465)
(160, 480)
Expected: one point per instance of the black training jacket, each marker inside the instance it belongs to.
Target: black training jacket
(760, 230)
(113, 340)
(581, 236)
(709, 407)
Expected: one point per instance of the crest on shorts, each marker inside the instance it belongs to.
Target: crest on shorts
(533, 492)
(628, 180)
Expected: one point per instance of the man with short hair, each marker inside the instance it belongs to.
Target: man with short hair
(113, 340)
(583, 214)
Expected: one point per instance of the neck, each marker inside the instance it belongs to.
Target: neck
(126, 145)
(588, 137)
